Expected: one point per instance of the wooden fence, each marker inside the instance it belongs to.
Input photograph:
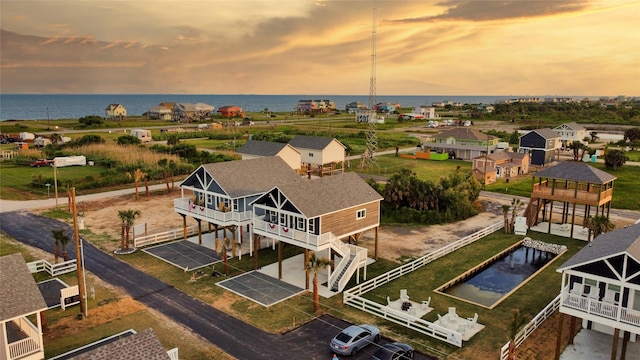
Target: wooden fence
(52, 269)
(140, 241)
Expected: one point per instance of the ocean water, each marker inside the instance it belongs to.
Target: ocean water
(47, 106)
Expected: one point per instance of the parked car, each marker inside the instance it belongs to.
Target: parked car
(393, 351)
(41, 162)
(352, 339)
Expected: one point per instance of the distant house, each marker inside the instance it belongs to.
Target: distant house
(21, 301)
(462, 143)
(571, 132)
(253, 149)
(387, 107)
(353, 107)
(159, 113)
(500, 165)
(542, 146)
(115, 111)
(188, 112)
(231, 111)
(601, 286)
(428, 112)
(318, 152)
(204, 110)
(315, 106)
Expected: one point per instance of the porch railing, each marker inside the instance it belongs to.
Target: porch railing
(202, 211)
(29, 345)
(296, 237)
(603, 309)
(52, 269)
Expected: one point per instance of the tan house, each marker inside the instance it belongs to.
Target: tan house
(115, 111)
(462, 143)
(601, 286)
(500, 165)
(321, 155)
(254, 149)
(20, 301)
(318, 215)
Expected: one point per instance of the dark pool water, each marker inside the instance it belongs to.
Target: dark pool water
(491, 284)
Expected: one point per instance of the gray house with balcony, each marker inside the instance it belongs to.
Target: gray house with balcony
(542, 145)
(601, 285)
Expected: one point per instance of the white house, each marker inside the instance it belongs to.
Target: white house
(115, 111)
(571, 132)
(319, 152)
(429, 112)
(601, 284)
(253, 149)
(20, 300)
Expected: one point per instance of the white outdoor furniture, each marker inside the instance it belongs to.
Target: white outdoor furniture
(452, 313)
(472, 320)
(425, 303)
(577, 289)
(403, 295)
(388, 301)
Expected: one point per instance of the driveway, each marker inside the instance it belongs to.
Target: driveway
(233, 336)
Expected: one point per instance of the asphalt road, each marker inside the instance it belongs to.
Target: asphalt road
(233, 336)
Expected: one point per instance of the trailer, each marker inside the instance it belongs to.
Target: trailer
(63, 161)
(142, 134)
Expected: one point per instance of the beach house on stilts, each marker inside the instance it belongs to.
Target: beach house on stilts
(319, 215)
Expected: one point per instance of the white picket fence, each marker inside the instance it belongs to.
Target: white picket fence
(144, 240)
(53, 269)
(531, 326)
(352, 296)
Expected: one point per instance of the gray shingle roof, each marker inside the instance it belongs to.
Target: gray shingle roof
(144, 345)
(578, 171)
(546, 133)
(261, 148)
(20, 294)
(311, 142)
(463, 133)
(247, 177)
(606, 245)
(330, 193)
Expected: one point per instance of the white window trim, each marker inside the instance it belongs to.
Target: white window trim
(361, 214)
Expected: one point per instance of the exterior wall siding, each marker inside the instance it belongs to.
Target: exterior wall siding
(344, 222)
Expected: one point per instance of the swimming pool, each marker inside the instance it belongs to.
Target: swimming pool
(490, 282)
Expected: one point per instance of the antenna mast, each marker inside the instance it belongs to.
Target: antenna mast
(372, 137)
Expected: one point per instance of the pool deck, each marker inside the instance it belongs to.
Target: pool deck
(579, 232)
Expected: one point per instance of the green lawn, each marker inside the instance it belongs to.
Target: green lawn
(22, 182)
(387, 165)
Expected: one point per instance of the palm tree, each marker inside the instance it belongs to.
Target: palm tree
(172, 169)
(64, 242)
(515, 206)
(315, 264)
(57, 235)
(517, 321)
(165, 174)
(128, 218)
(225, 247)
(597, 225)
(505, 211)
(137, 176)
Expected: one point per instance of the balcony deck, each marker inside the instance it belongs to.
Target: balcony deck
(603, 309)
(291, 236)
(23, 339)
(186, 207)
(572, 195)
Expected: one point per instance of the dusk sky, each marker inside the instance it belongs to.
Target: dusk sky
(445, 47)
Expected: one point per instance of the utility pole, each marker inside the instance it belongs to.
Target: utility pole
(55, 181)
(79, 258)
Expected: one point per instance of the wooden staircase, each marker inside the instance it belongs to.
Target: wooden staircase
(531, 213)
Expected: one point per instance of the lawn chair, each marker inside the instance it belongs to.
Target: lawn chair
(388, 301)
(577, 289)
(403, 295)
(441, 320)
(472, 320)
(425, 304)
(452, 313)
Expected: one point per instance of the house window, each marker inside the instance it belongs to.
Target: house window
(283, 219)
(310, 154)
(312, 226)
(590, 284)
(235, 205)
(300, 223)
(210, 199)
(361, 214)
(273, 217)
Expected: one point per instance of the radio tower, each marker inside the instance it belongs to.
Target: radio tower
(371, 117)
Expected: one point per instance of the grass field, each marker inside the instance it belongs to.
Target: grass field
(387, 165)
